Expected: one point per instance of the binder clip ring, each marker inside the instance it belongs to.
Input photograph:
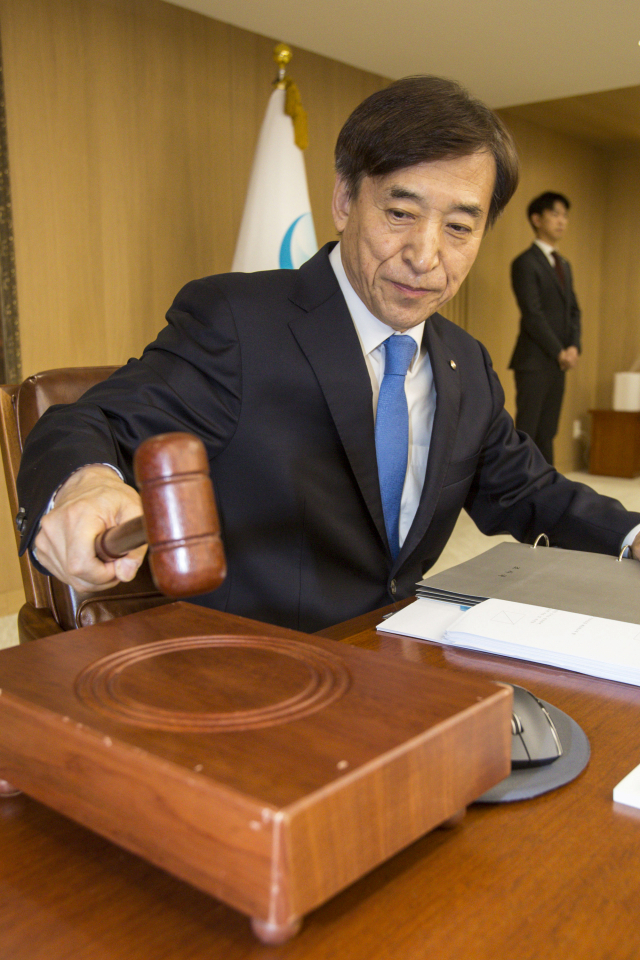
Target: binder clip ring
(543, 536)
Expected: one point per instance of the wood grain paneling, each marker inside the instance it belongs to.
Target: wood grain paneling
(620, 311)
(132, 129)
(132, 132)
(606, 118)
(550, 161)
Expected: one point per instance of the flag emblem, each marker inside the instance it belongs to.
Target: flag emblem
(277, 230)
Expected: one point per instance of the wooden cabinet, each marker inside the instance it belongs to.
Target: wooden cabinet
(615, 443)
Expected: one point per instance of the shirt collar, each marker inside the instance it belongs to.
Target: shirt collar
(546, 248)
(372, 332)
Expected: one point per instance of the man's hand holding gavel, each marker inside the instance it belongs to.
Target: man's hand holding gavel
(91, 501)
(96, 515)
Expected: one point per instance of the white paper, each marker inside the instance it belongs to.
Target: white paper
(573, 641)
(628, 790)
(595, 646)
(423, 620)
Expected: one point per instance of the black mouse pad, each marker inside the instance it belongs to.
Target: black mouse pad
(530, 782)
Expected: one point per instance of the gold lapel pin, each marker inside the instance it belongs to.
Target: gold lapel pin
(452, 364)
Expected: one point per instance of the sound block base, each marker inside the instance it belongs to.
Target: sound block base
(269, 768)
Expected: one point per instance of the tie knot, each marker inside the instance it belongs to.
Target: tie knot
(399, 353)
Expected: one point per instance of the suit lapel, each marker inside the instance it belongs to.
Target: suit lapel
(447, 383)
(327, 337)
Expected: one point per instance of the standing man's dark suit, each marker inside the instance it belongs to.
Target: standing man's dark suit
(549, 339)
(267, 369)
(549, 323)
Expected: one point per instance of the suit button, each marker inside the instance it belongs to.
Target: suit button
(393, 587)
(21, 519)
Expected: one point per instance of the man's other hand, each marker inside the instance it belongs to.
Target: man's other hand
(635, 547)
(568, 358)
(89, 502)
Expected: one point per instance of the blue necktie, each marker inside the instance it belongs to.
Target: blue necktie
(392, 433)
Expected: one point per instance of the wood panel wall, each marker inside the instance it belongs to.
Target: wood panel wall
(620, 303)
(550, 161)
(132, 126)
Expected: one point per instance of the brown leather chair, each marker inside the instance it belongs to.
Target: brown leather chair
(52, 606)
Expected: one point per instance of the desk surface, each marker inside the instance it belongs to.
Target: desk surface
(553, 877)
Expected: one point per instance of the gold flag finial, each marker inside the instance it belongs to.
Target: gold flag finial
(282, 56)
(293, 105)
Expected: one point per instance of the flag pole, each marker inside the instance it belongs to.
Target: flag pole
(277, 230)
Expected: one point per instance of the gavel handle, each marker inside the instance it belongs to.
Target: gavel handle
(117, 541)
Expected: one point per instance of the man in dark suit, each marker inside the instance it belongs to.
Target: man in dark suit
(339, 469)
(549, 341)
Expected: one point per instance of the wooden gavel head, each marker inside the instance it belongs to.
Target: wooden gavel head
(186, 555)
(180, 521)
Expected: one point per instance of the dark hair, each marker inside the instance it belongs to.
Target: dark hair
(546, 201)
(418, 120)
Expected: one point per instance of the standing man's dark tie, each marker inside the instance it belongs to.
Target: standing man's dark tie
(392, 432)
(557, 263)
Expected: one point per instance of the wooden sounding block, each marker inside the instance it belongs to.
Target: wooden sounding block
(266, 767)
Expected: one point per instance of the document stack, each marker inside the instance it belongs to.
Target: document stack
(503, 603)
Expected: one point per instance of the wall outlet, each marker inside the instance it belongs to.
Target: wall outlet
(577, 429)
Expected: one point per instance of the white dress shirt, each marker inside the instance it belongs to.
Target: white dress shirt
(547, 249)
(419, 388)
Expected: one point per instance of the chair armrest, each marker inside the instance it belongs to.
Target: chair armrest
(35, 623)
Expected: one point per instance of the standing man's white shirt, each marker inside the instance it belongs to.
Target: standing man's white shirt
(419, 388)
(547, 249)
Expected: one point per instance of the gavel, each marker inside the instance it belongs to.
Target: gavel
(180, 519)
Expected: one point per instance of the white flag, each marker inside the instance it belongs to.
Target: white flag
(277, 227)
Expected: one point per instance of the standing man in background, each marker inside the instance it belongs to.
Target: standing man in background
(549, 341)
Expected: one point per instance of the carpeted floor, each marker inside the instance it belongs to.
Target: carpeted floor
(466, 542)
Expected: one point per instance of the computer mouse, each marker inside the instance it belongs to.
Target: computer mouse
(535, 741)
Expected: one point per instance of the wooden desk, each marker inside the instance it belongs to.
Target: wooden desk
(615, 443)
(552, 878)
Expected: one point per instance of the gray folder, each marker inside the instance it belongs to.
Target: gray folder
(589, 583)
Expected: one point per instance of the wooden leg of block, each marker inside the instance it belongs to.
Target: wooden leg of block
(453, 821)
(7, 789)
(273, 933)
